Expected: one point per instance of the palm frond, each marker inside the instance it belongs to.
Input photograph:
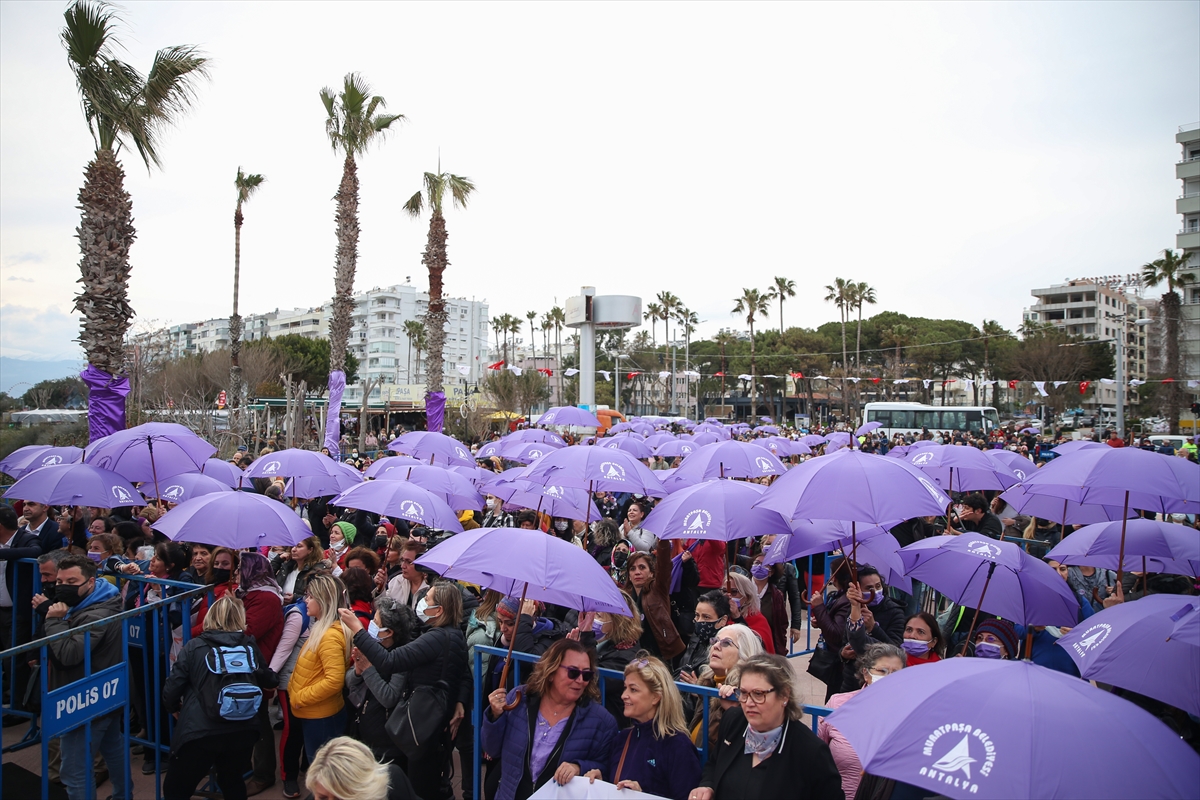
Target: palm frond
(460, 189)
(415, 205)
(171, 83)
(247, 184)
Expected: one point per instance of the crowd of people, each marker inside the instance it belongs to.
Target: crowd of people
(305, 663)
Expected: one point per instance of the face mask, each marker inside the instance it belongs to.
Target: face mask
(374, 630)
(338, 546)
(422, 607)
(873, 678)
(94, 556)
(760, 572)
(619, 558)
(220, 575)
(915, 647)
(68, 594)
(988, 650)
(877, 599)
(598, 628)
(706, 631)
(736, 602)
(561, 525)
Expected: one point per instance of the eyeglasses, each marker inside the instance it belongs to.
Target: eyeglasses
(721, 644)
(575, 673)
(406, 561)
(759, 696)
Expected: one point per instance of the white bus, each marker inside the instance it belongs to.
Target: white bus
(910, 419)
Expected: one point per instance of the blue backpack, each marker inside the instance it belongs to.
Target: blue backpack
(227, 688)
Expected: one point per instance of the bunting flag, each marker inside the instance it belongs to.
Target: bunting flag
(1056, 384)
(632, 375)
(899, 381)
(797, 375)
(606, 374)
(718, 374)
(693, 374)
(464, 370)
(496, 366)
(926, 382)
(549, 373)
(1041, 388)
(822, 378)
(874, 380)
(1107, 380)
(664, 374)
(1083, 386)
(570, 372)
(515, 370)
(970, 384)
(1012, 384)
(744, 377)
(987, 383)
(854, 380)
(1136, 382)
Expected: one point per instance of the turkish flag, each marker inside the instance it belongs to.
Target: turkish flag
(718, 374)
(798, 375)
(497, 365)
(874, 380)
(632, 375)
(1012, 384)
(1083, 386)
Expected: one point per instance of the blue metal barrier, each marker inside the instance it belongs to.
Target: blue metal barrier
(705, 693)
(97, 694)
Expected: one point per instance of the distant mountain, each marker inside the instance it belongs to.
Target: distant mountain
(18, 375)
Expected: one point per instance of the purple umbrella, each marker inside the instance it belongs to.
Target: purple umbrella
(525, 452)
(402, 500)
(566, 416)
(813, 440)
(144, 452)
(1150, 646)
(1066, 448)
(781, 447)
(1121, 476)
(536, 435)
(993, 730)
(181, 488)
(1029, 430)
(1056, 509)
(730, 459)
(597, 469)
(721, 510)
(1016, 463)
(1024, 589)
(557, 501)
(765, 419)
(490, 450)
(767, 429)
(874, 546)
(456, 490)
(229, 474)
(433, 448)
(710, 427)
(1171, 548)
(866, 428)
(837, 440)
(634, 445)
(660, 439)
(75, 485)
(702, 439)
(236, 520)
(344, 476)
(25, 460)
(292, 463)
(390, 463)
(476, 475)
(962, 468)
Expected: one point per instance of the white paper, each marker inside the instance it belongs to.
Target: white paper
(581, 789)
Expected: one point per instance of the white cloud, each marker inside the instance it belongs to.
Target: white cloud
(41, 334)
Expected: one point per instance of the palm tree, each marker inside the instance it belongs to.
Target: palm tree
(840, 293)
(497, 326)
(412, 330)
(1170, 269)
(668, 305)
(531, 316)
(514, 327)
(246, 186)
(991, 329)
(783, 289)
(437, 185)
(546, 327)
(654, 314)
(559, 318)
(753, 304)
(420, 342)
(352, 123)
(862, 294)
(122, 108)
(723, 339)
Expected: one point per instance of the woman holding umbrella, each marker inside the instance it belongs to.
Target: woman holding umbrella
(571, 732)
(650, 587)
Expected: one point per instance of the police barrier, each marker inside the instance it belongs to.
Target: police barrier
(705, 693)
(81, 703)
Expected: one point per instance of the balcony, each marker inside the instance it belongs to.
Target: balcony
(1188, 240)
(1188, 133)
(1188, 168)
(1188, 204)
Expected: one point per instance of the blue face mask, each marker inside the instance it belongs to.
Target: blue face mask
(373, 630)
(988, 650)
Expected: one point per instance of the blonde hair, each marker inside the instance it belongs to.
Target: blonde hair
(346, 768)
(748, 645)
(227, 614)
(749, 591)
(330, 596)
(668, 717)
(625, 628)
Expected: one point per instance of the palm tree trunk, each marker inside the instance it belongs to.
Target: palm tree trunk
(1171, 305)
(235, 319)
(781, 313)
(858, 357)
(346, 260)
(845, 366)
(436, 261)
(753, 378)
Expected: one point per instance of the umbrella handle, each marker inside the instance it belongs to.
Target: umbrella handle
(974, 619)
(508, 658)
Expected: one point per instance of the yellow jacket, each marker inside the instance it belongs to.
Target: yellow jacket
(315, 689)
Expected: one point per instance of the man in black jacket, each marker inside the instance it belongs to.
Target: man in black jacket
(39, 523)
(974, 517)
(16, 597)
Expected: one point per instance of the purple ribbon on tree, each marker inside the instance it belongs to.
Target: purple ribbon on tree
(435, 411)
(333, 420)
(106, 401)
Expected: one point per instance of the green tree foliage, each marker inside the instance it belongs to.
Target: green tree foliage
(68, 392)
(307, 359)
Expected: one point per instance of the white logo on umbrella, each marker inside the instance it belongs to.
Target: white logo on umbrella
(764, 464)
(934, 492)
(922, 458)
(412, 509)
(173, 493)
(1092, 638)
(697, 521)
(553, 491)
(271, 467)
(548, 417)
(535, 453)
(612, 471)
(461, 453)
(51, 461)
(123, 497)
(960, 758)
(687, 448)
(985, 549)
(1020, 473)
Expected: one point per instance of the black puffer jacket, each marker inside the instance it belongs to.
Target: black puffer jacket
(181, 691)
(439, 654)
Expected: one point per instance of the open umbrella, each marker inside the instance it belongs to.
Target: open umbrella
(766, 430)
(525, 452)
(634, 445)
(1024, 589)
(1058, 509)
(344, 476)
(402, 500)
(871, 545)
(433, 448)
(597, 469)
(962, 469)
(30, 458)
(144, 452)
(181, 488)
(568, 416)
(489, 450)
(1018, 464)
(75, 485)
(781, 447)
(706, 438)
(715, 509)
(556, 501)
(456, 490)
(994, 730)
(1150, 646)
(730, 459)
(1169, 547)
(536, 435)
(1066, 448)
(229, 474)
(390, 463)
(676, 448)
(235, 520)
(292, 463)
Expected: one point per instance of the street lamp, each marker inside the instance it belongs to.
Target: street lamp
(1120, 371)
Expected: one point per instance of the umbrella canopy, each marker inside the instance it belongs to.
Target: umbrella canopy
(659, 439)
(1150, 646)
(293, 463)
(229, 474)
(344, 476)
(181, 488)
(962, 469)
(75, 485)
(993, 730)
(394, 462)
(730, 459)
(997, 577)
(770, 430)
(872, 545)
(1168, 547)
(565, 416)
(1016, 463)
(31, 458)
(597, 469)
(557, 501)
(813, 440)
(235, 520)
(1061, 510)
(1120, 476)
(476, 475)
(721, 510)
(857, 486)
(706, 438)
(676, 448)
(1066, 448)
(525, 452)
(489, 450)
(781, 447)
(456, 490)
(402, 500)
(536, 435)
(506, 559)
(149, 451)
(433, 448)
(634, 445)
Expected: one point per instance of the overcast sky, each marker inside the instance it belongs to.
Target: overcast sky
(952, 155)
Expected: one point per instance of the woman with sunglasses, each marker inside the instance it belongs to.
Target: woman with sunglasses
(764, 749)
(655, 755)
(733, 644)
(556, 728)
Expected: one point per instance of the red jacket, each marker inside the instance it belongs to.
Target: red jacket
(264, 619)
(219, 591)
(710, 562)
(758, 624)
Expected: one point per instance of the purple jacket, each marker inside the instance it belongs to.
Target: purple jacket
(588, 744)
(666, 767)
